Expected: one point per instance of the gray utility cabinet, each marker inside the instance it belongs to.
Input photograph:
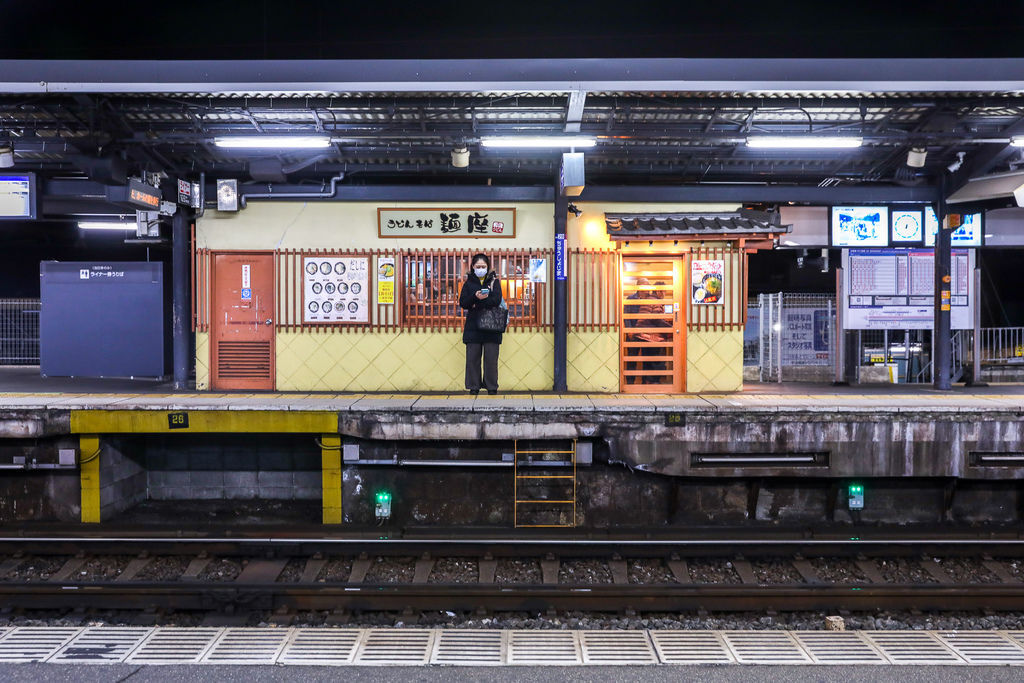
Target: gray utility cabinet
(101, 319)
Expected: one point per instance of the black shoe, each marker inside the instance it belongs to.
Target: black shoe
(475, 393)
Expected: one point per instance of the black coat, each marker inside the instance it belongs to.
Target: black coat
(471, 334)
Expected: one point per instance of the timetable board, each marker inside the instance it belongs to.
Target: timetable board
(894, 289)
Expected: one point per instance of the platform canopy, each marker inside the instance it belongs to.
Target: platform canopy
(891, 126)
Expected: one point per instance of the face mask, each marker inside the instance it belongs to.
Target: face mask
(480, 272)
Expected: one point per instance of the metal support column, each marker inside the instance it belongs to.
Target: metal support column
(561, 305)
(975, 380)
(179, 295)
(330, 467)
(89, 473)
(942, 337)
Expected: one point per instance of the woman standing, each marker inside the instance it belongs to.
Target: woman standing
(481, 290)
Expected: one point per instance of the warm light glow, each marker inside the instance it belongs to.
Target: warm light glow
(802, 142)
(273, 142)
(105, 225)
(554, 141)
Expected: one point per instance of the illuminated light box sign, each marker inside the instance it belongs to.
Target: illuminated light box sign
(860, 226)
(969, 234)
(458, 222)
(17, 196)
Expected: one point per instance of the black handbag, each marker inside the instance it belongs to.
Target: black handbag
(492, 319)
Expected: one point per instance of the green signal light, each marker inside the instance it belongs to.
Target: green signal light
(383, 496)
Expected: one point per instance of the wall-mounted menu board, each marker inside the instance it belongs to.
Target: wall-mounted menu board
(894, 289)
(336, 289)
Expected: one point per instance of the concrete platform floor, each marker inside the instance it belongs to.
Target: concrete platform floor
(23, 388)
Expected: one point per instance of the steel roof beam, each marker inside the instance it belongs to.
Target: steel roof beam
(537, 75)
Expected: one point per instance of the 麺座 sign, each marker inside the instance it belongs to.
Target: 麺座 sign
(460, 222)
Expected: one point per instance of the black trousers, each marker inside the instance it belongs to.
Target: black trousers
(490, 365)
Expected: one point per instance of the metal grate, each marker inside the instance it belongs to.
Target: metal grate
(321, 647)
(838, 647)
(175, 646)
(19, 331)
(395, 646)
(469, 648)
(982, 647)
(691, 647)
(912, 647)
(243, 360)
(617, 647)
(544, 647)
(34, 644)
(247, 646)
(765, 647)
(102, 645)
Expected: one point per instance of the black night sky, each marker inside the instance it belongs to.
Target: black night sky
(468, 29)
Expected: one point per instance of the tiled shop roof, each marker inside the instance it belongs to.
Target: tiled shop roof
(701, 224)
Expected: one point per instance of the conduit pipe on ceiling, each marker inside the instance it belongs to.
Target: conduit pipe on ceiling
(293, 195)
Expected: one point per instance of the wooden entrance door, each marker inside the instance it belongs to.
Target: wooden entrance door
(652, 335)
(242, 321)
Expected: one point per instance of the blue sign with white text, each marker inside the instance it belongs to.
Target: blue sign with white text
(560, 257)
(246, 294)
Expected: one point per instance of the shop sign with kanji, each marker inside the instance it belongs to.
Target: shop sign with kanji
(459, 222)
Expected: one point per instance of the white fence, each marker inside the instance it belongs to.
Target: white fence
(791, 337)
(19, 331)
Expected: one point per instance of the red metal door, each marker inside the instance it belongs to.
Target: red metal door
(242, 324)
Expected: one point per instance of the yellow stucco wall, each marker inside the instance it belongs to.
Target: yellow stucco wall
(405, 361)
(714, 361)
(202, 360)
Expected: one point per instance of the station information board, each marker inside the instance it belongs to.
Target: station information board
(894, 289)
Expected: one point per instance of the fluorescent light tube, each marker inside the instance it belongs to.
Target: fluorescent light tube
(1017, 141)
(553, 141)
(273, 142)
(802, 142)
(105, 225)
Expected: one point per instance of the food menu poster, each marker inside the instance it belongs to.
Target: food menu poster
(707, 281)
(335, 289)
(894, 289)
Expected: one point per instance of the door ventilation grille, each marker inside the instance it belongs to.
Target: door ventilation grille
(243, 360)
(993, 459)
(712, 460)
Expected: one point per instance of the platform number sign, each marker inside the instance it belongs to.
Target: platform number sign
(177, 420)
(855, 496)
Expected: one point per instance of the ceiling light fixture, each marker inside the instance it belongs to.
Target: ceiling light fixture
(802, 142)
(105, 225)
(6, 156)
(1017, 141)
(916, 157)
(540, 141)
(273, 142)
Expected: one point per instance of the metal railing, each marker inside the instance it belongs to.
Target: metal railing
(1002, 345)
(19, 331)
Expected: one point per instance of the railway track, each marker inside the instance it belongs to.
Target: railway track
(286, 575)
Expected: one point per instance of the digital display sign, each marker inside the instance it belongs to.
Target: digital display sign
(969, 234)
(907, 226)
(860, 226)
(17, 196)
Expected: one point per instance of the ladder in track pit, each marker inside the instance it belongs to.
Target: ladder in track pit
(544, 468)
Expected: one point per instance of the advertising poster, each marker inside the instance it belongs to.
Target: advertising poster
(336, 289)
(538, 270)
(386, 280)
(707, 280)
